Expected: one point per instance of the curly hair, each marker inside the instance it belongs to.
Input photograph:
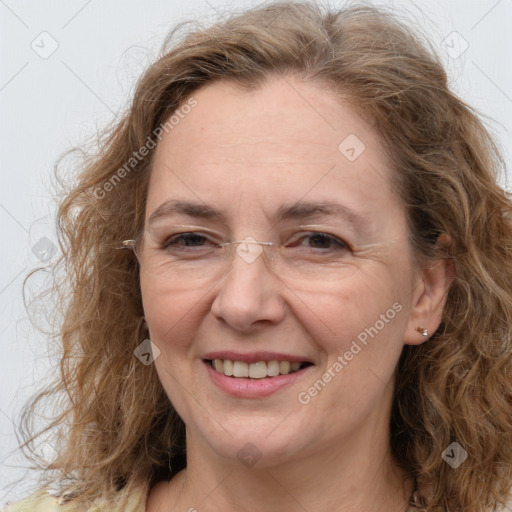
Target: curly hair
(116, 430)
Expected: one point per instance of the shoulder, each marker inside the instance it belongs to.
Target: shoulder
(43, 501)
(39, 501)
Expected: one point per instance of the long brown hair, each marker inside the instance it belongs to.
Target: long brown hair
(116, 429)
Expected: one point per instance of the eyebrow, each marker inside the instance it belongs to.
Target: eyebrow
(298, 211)
(307, 210)
(173, 207)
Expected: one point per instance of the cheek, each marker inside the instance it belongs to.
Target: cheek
(361, 337)
(355, 309)
(173, 317)
(171, 313)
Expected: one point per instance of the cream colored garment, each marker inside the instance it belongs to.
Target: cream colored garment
(41, 501)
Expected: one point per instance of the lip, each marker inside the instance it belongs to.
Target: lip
(244, 387)
(255, 357)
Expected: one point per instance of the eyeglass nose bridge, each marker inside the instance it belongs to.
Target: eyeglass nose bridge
(248, 240)
(249, 249)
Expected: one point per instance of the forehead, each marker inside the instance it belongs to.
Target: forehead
(286, 138)
(284, 117)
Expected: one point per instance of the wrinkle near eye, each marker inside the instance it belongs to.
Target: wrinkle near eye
(378, 251)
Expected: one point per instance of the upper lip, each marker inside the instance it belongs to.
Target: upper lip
(255, 357)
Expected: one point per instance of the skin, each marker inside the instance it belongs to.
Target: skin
(246, 154)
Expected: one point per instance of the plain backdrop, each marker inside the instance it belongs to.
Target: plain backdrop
(67, 67)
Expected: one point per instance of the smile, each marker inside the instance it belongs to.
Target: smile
(256, 370)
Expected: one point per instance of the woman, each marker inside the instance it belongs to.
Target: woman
(288, 283)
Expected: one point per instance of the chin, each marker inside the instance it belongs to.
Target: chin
(254, 443)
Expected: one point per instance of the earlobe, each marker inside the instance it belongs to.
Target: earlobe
(430, 296)
(422, 331)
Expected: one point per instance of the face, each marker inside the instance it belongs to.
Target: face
(298, 168)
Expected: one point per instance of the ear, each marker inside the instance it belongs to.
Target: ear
(429, 295)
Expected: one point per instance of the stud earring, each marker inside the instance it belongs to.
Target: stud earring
(422, 331)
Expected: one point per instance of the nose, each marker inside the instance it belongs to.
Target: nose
(249, 295)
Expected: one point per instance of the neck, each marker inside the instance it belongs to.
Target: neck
(354, 477)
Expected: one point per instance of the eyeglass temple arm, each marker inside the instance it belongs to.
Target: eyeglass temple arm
(127, 244)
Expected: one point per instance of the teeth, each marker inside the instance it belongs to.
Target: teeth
(259, 370)
(228, 367)
(284, 367)
(240, 369)
(273, 368)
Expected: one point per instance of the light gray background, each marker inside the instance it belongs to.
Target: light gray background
(50, 104)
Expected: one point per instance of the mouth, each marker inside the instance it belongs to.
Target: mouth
(256, 370)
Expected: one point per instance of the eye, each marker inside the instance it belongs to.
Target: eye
(188, 240)
(321, 241)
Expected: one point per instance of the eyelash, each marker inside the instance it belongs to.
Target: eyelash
(174, 240)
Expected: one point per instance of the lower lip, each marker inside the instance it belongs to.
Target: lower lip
(252, 388)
